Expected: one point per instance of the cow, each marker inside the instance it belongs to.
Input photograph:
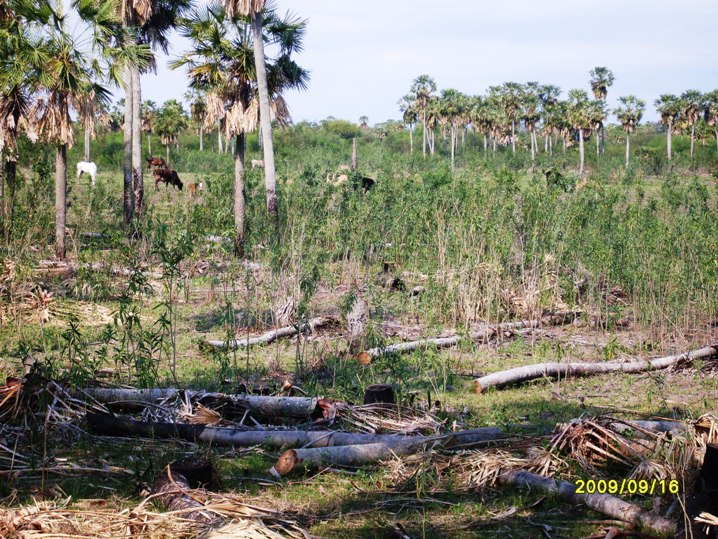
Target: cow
(87, 168)
(257, 163)
(168, 176)
(194, 188)
(155, 162)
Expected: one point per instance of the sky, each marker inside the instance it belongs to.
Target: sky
(364, 55)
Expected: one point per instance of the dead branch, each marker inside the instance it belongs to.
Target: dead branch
(271, 336)
(562, 370)
(481, 335)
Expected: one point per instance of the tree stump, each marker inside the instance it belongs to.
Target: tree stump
(379, 393)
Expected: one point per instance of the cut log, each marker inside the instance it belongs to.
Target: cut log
(381, 393)
(604, 503)
(295, 407)
(109, 425)
(556, 370)
(271, 336)
(347, 456)
(480, 335)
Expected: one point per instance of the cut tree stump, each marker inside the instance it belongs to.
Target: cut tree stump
(271, 336)
(379, 393)
(480, 335)
(563, 370)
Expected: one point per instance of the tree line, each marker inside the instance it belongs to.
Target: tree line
(539, 109)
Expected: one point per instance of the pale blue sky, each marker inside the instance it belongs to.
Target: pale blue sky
(364, 55)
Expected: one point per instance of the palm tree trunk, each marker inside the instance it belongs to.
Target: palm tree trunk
(239, 202)
(138, 180)
(513, 137)
(716, 132)
(693, 136)
(265, 119)
(533, 147)
(87, 145)
(128, 198)
(411, 139)
(60, 200)
(454, 137)
(423, 133)
(219, 139)
(11, 177)
(603, 139)
(167, 147)
(580, 148)
(486, 144)
(628, 147)
(201, 138)
(545, 144)
(355, 164)
(149, 144)
(598, 149)
(669, 137)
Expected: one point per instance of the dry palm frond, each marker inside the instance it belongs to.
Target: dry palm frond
(280, 111)
(234, 119)
(382, 418)
(201, 416)
(215, 110)
(421, 472)
(707, 518)
(246, 8)
(484, 469)
(91, 519)
(251, 116)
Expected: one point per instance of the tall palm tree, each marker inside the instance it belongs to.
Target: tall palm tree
(451, 109)
(691, 110)
(64, 83)
(409, 116)
(549, 95)
(422, 89)
(669, 108)
(580, 119)
(198, 112)
(222, 64)
(530, 112)
(510, 96)
(629, 114)
(711, 108)
(253, 10)
(597, 112)
(601, 80)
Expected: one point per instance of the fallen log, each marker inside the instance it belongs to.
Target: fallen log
(480, 335)
(559, 370)
(170, 490)
(109, 425)
(295, 407)
(604, 503)
(271, 336)
(347, 456)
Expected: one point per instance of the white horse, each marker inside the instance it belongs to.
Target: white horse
(87, 168)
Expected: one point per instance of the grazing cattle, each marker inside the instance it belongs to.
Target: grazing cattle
(194, 188)
(257, 163)
(168, 176)
(87, 168)
(155, 162)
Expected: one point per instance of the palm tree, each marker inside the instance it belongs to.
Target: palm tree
(422, 90)
(579, 117)
(669, 107)
(530, 114)
(711, 104)
(171, 121)
(601, 79)
(510, 96)
(691, 109)
(198, 112)
(597, 113)
(64, 83)
(364, 121)
(549, 95)
(149, 115)
(451, 109)
(221, 63)
(629, 114)
(253, 10)
(410, 117)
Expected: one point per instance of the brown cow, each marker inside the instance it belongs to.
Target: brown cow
(168, 176)
(155, 162)
(195, 188)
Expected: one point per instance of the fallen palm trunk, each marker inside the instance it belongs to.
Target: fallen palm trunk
(556, 370)
(271, 336)
(604, 503)
(117, 426)
(296, 407)
(347, 456)
(481, 335)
